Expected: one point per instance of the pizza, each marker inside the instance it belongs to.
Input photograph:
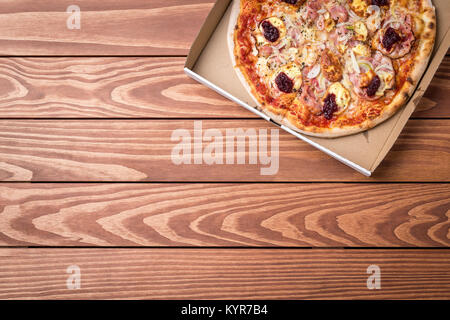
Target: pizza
(331, 68)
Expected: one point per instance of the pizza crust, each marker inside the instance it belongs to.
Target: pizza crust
(235, 10)
(420, 63)
(275, 114)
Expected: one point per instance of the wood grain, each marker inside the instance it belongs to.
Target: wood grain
(311, 215)
(224, 274)
(108, 27)
(75, 150)
(135, 88)
(106, 88)
(435, 102)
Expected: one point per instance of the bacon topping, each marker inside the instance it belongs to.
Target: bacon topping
(339, 13)
(270, 32)
(266, 51)
(284, 83)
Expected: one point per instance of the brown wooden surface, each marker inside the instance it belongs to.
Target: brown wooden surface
(108, 27)
(223, 273)
(225, 215)
(126, 62)
(142, 87)
(140, 150)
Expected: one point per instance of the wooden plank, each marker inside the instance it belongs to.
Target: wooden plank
(224, 274)
(108, 27)
(294, 215)
(435, 102)
(135, 88)
(106, 88)
(75, 150)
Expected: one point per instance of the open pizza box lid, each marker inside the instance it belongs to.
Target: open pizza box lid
(209, 63)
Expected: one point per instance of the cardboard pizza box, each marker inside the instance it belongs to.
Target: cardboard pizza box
(209, 63)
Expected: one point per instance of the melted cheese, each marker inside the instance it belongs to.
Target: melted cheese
(277, 23)
(308, 56)
(292, 53)
(360, 30)
(329, 24)
(362, 50)
(359, 6)
(342, 48)
(341, 93)
(263, 68)
(387, 78)
(309, 34)
(295, 73)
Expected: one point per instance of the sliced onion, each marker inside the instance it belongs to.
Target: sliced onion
(374, 21)
(394, 22)
(281, 44)
(342, 24)
(321, 11)
(314, 72)
(373, 9)
(353, 15)
(288, 22)
(387, 22)
(367, 63)
(384, 66)
(345, 37)
(354, 62)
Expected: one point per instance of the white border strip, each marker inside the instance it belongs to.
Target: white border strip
(207, 83)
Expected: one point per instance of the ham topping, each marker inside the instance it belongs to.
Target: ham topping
(339, 13)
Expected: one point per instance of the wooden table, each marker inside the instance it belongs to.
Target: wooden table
(87, 178)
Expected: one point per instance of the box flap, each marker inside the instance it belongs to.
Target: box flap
(208, 28)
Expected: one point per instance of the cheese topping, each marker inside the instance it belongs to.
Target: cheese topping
(362, 50)
(360, 30)
(342, 95)
(359, 7)
(308, 55)
(275, 22)
(293, 72)
(387, 80)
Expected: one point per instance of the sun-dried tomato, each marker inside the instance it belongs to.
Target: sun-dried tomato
(390, 38)
(284, 83)
(373, 87)
(330, 106)
(271, 33)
